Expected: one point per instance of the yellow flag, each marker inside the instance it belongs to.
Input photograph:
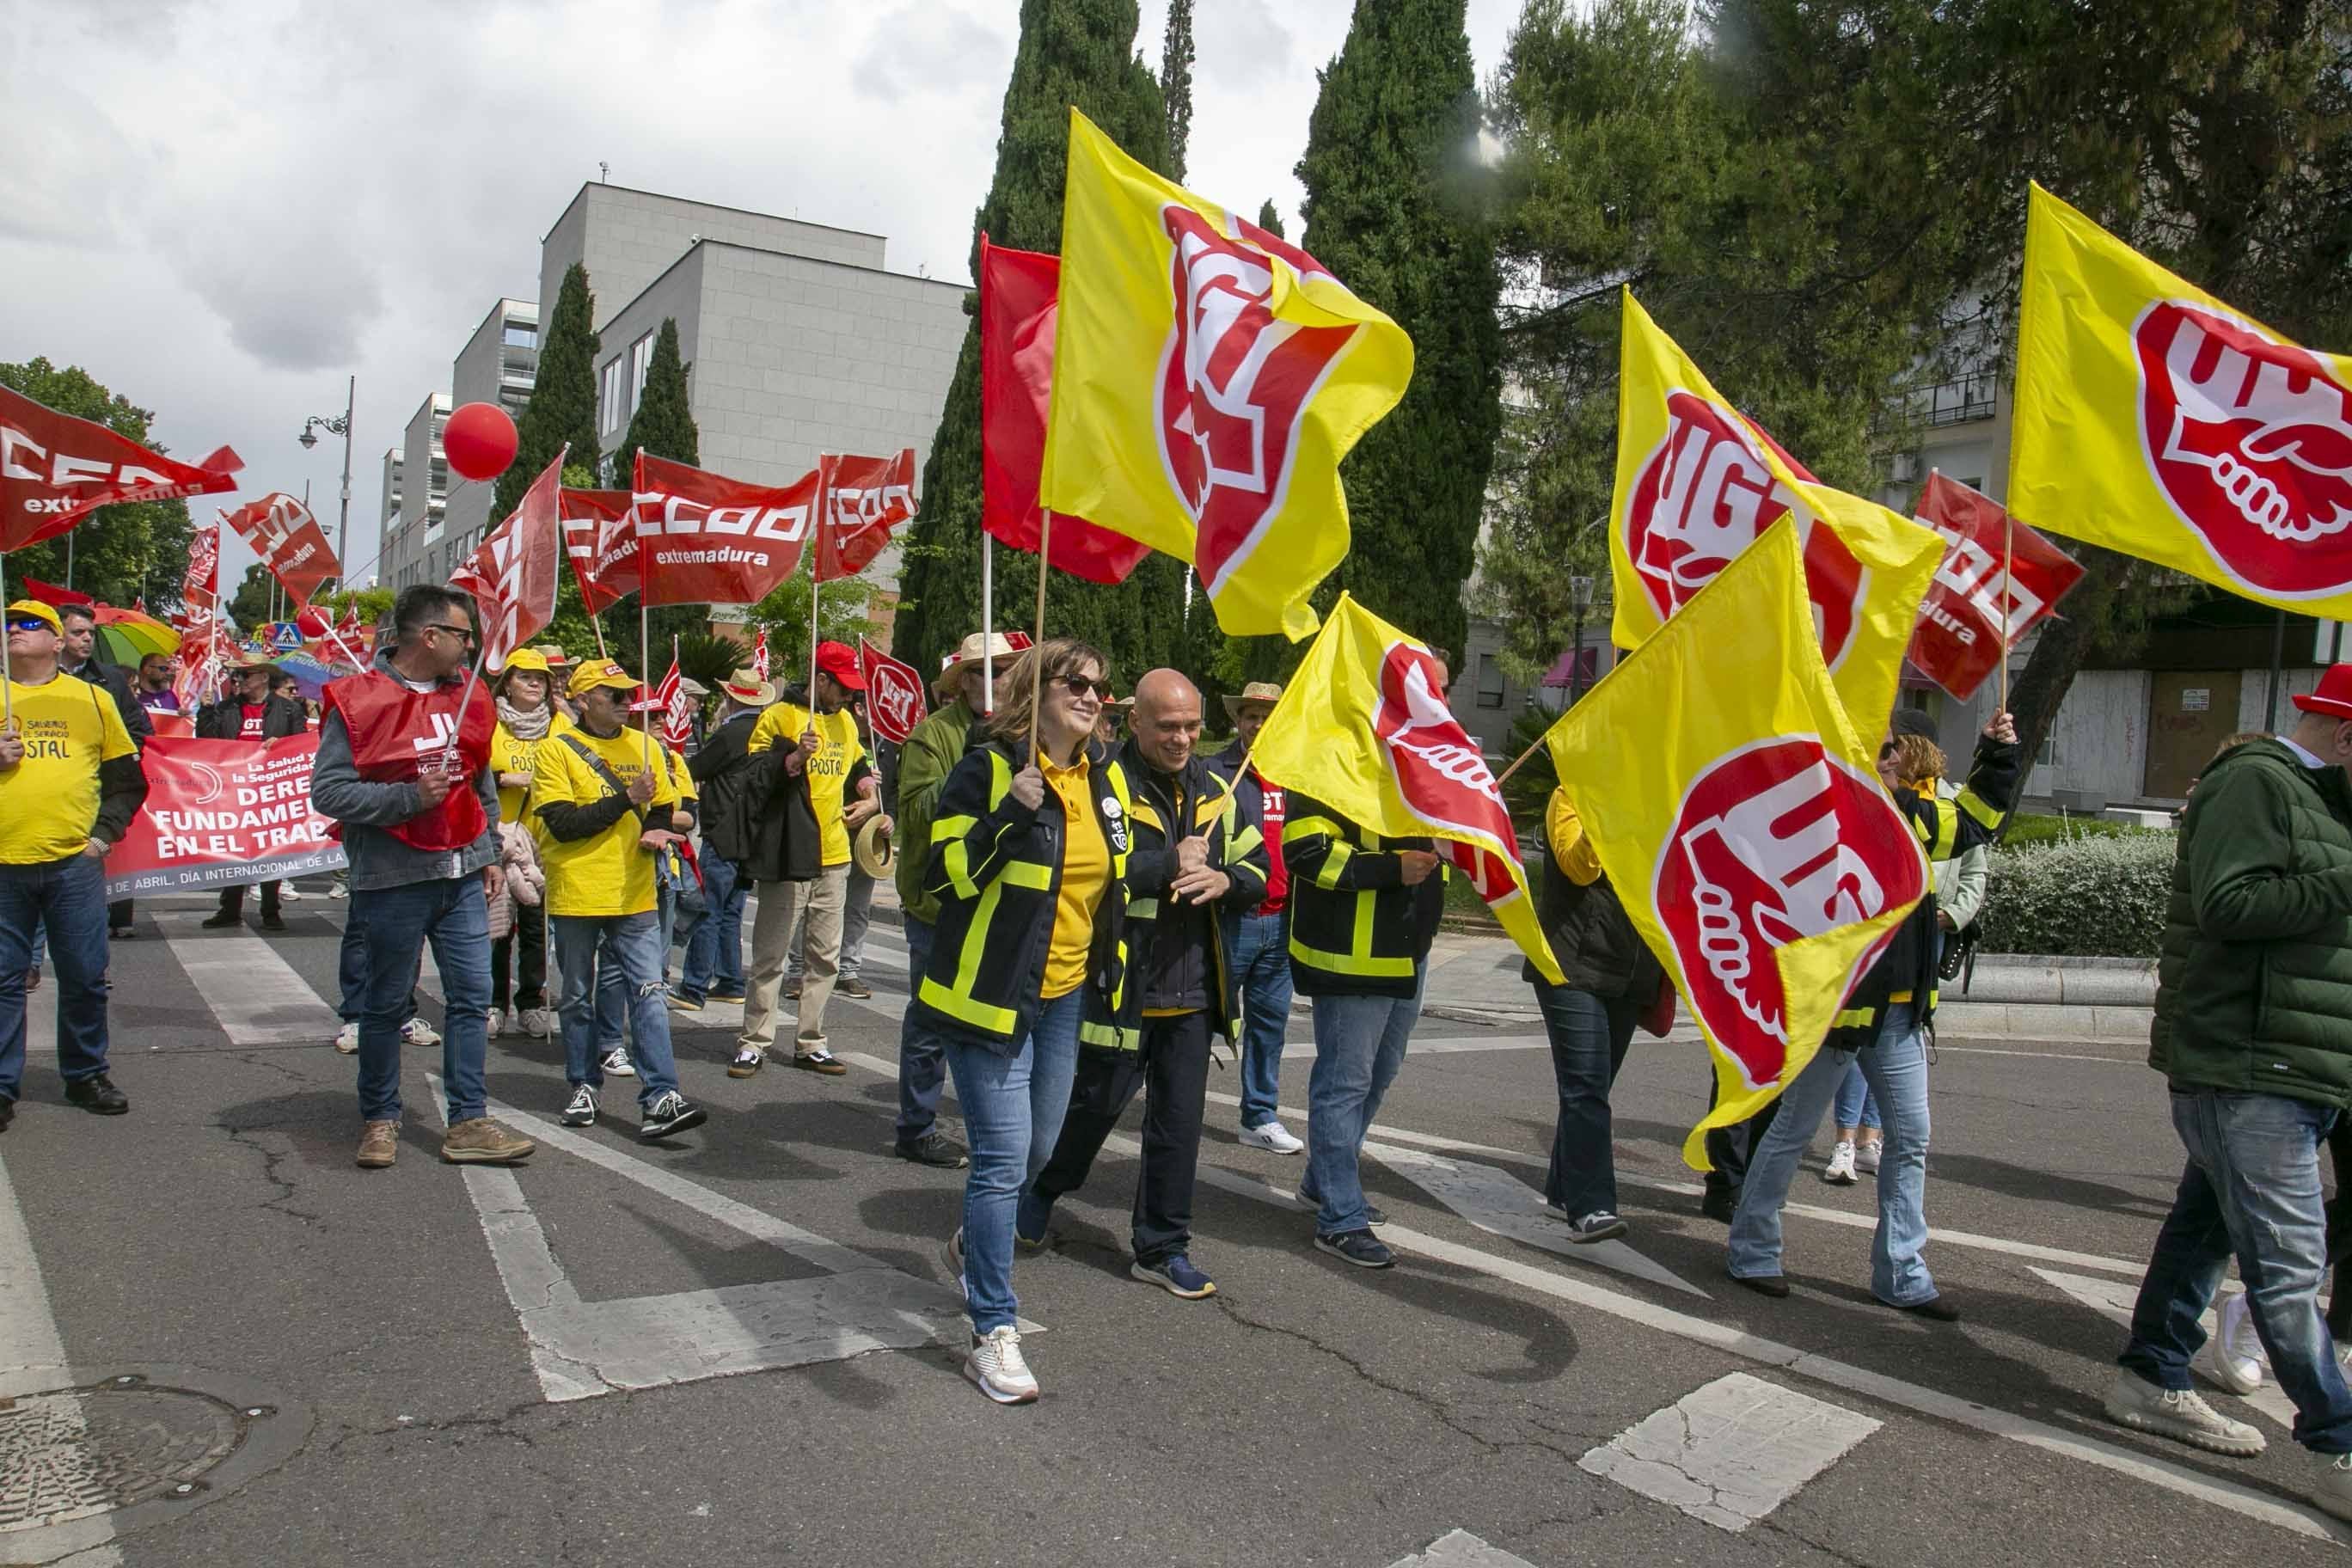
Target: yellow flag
(1698, 481)
(2154, 419)
(1208, 378)
(1739, 817)
(1364, 728)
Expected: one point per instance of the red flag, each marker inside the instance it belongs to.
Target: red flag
(50, 594)
(198, 680)
(703, 539)
(1959, 640)
(55, 469)
(865, 499)
(200, 589)
(289, 542)
(200, 826)
(138, 605)
(673, 702)
(760, 654)
(601, 539)
(893, 694)
(1019, 294)
(512, 576)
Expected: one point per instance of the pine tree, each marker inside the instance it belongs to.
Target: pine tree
(562, 406)
(663, 422)
(1072, 52)
(1176, 83)
(1269, 218)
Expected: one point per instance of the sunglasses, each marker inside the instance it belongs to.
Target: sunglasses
(29, 623)
(466, 633)
(1887, 749)
(1078, 686)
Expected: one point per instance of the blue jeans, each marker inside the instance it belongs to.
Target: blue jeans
(351, 969)
(1012, 1110)
(714, 954)
(1262, 964)
(2252, 1188)
(1589, 1036)
(1358, 1046)
(397, 922)
(1896, 1069)
(611, 1000)
(1855, 1105)
(922, 1059)
(589, 948)
(67, 898)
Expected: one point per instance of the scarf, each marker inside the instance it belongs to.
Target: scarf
(522, 726)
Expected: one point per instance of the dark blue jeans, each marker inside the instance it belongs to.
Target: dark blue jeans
(352, 968)
(598, 953)
(1262, 964)
(397, 922)
(67, 897)
(2251, 1188)
(714, 951)
(923, 1054)
(1589, 1034)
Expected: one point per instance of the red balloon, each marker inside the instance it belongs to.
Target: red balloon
(314, 622)
(478, 440)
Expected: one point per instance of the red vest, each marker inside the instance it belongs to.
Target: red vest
(397, 733)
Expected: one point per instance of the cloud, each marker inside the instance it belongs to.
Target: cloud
(924, 50)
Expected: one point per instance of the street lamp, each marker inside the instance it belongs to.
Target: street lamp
(342, 427)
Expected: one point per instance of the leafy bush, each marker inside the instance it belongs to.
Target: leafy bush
(2097, 896)
(2029, 829)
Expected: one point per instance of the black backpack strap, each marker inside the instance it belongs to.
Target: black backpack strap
(603, 771)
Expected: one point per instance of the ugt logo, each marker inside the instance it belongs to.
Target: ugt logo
(895, 700)
(1775, 841)
(2249, 440)
(1439, 769)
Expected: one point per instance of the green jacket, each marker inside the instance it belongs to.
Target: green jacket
(2254, 986)
(929, 755)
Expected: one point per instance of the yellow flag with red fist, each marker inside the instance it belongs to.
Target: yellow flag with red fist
(2154, 419)
(1208, 377)
(1739, 814)
(1698, 482)
(1363, 728)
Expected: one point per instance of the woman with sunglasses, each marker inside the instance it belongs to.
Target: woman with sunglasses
(1029, 850)
(1883, 1027)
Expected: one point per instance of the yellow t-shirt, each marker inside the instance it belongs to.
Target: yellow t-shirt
(48, 802)
(607, 874)
(1569, 842)
(837, 751)
(509, 753)
(1085, 872)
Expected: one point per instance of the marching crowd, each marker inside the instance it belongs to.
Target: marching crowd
(1088, 913)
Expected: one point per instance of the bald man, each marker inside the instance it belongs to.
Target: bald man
(1197, 865)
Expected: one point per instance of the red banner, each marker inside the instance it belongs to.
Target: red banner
(893, 694)
(600, 537)
(705, 540)
(50, 594)
(669, 699)
(55, 469)
(221, 813)
(512, 576)
(291, 542)
(1959, 638)
(1019, 305)
(865, 499)
(200, 589)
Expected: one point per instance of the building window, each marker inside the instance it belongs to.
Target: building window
(641, 359)
(1490, 681)
(520, 335)
(611, 395)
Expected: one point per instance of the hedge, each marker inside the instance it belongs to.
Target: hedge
(2095, 897)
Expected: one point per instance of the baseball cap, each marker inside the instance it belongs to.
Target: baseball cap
(592, 673)
(34, 609)
(2333, 697)
(839, 660)
(528, 658)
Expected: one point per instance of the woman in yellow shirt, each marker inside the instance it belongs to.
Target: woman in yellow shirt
(527, 716)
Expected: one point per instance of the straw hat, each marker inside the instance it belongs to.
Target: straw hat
(874, 854)
(1265, 691)
(975, 647)
(746, 687)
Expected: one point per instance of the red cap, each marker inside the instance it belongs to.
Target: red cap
(839, 660)
(2333, 697)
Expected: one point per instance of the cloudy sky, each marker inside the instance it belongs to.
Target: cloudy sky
(222, 208)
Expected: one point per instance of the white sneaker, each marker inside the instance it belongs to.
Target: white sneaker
(996, 1365)
(1866, 1155)
(1839, 1172)
(417, 1032)
(2230, 1359)
(539, 1022)
(2183, 1417)
(339, 890)
(581, 1112)
(290, 894)
(617, 1063)
(499, 1022)
(347, 1039)
(1273, 1137)
(2333, 1490)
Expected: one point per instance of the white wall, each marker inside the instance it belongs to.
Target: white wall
(2099, 742)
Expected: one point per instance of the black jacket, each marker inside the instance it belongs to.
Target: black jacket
(719, 767)
(1598, 949)
(1185, 958)
(118, 686)
(773, 821)
(225, 719)
(1356, 929)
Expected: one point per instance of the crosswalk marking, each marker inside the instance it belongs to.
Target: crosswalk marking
(2114, 1299)
(256, 995)
(1460, 1549)
(1732, 1451)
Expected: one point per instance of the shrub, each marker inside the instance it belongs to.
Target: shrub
(2098, 896)
(2029, 829)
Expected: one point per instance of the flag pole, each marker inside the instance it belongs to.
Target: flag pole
(596, 624)
(1503, 777)
(2008, 558)
(1037, 642)
(987, 622)
(7, 676)
(645, 658)
(465, 698)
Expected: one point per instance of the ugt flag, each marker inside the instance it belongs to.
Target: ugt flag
(1208, 377)
(512, 576)
(2155, 419)
(1363, 727)
(56, 469)
(1739, 814)
(288, 538)
(1698, 482)
(893, 694)
(1965, 630)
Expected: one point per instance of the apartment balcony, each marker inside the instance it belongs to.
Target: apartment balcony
(1962, 401)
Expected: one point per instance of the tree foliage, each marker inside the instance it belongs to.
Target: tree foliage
(1176, 83)
(120, 552)
(841, 615)
(563, 406)
(254, 600)
(663, 422)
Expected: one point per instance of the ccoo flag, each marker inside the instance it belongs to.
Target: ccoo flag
(2154, 419)
(1739, 817)
(1698, 482)
(1363, 728)
(1207, 379)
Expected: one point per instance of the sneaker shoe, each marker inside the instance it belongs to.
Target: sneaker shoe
(1374, 1215)
(98, 1095)
(1866, 1155)
(222, 919)
(339, 890)
(1031, 1217)
(724, 995)
(1599, 1225)
(1273, 1137)
(850, 985)
(539, 1022)
(582, 1110)
(417, 1032)
(120, 933)
(1839, 1172)
(347, 1039)
(2333, 1490)
(954, 1255)
(934, 1148)
(995, 1363)
(617, 1063)
(671, 1114)
(680, 1002)
(7, 1113)
(479, 1140)
(820, 1060)
(289, 894)
(379, 1146)
(2223, 1360)
(748, 1060)
(496, 1022)
(1360, 1247)
(2182, 1415)
(1176, 1276)
(792, 990)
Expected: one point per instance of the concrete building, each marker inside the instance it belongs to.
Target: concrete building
(395, 466)
(413, 549)
(498, 364)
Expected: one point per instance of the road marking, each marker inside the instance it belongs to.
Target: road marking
(255, 995)
(1731, 1451)
(1460, 1549)
(2115, 1299)
(1299, 1050)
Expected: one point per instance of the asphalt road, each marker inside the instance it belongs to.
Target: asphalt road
(627, 1354)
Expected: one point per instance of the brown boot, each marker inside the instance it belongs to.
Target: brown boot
(482, 1141)
(379, 1146)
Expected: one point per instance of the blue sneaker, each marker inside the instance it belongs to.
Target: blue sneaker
(1175, 1275)
(1359, 1247)
(1029, 1220)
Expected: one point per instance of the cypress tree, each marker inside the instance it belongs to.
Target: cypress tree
(562, 406)
(663, 422)
(1269, 218)
(1176, 82)
(1072, 52)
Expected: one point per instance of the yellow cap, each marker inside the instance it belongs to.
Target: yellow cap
(35, 608)
(593, 673)
(528, 658)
